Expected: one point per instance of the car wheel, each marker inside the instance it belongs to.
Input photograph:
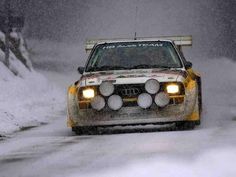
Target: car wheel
(185, 125)
(84, 130)
(198, 122)
(77, 130)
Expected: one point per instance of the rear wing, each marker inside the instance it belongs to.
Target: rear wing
(179, 41)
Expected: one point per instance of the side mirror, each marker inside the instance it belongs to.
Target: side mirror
(188, 65)
(80, 69)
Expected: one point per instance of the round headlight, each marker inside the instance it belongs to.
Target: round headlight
(115, 102)
(172, 88)
(98, 103)
(162, 99)
(88, 93)
(144, 100)
(106, 88)
(152, 86)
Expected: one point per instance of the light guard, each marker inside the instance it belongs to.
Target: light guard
(98, 103)
(162, 99)
(144, 100)
(152, 86)
(115, 102)
(106, 88)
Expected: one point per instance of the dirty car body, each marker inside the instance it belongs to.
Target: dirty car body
(136, 82)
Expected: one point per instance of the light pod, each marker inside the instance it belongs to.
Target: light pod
(106, 88)
(144, 100)
(152, 86)
(115, 102)
(162, 99)
(98, 103)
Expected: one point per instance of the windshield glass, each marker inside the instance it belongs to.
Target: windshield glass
(133, 55)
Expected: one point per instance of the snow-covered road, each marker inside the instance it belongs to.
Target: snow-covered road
(209, 150)
(53, 150)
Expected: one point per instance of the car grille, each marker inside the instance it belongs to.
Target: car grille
(129, 90)
(130, 93)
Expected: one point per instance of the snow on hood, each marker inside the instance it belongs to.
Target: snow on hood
(131, 76)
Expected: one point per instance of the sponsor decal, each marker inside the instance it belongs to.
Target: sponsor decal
(132, 72)
(105, 73)
(110, 78)
(107, 47)
(141, 114)
(122, 76)
(131, 76)
(156, 75)
(165, 72)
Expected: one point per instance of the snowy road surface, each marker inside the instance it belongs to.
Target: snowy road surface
(209, 150)
(52, 150)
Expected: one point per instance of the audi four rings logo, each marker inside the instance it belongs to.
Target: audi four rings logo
(130, 91)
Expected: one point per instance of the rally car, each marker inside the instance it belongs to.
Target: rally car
(129, 82)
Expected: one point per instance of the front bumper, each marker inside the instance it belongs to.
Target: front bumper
(128, 116)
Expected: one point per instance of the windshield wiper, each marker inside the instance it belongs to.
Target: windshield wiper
(141, 66)
(145, 66)
(162, 67)
(105, 68)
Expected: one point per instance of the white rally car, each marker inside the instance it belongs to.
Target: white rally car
(135, 82)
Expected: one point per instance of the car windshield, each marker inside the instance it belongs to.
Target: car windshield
(133, 55)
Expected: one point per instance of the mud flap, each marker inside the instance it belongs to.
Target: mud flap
(192, 102)
(72, 106)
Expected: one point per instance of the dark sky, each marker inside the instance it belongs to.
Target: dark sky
(211, 22)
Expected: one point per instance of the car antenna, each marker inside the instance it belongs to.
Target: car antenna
(135, 25)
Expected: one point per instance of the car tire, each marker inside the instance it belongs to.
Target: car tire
(188, 125)
(78, 131)
(198, 122)
(84, 130)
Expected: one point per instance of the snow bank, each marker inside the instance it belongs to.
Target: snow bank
(27, 99)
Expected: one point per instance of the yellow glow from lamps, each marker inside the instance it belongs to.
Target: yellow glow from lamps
(88, 93)
(172, 88)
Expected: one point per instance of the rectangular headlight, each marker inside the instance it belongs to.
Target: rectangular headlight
(172, 88)
(88, 93)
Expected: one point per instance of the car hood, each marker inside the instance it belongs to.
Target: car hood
(131, 76)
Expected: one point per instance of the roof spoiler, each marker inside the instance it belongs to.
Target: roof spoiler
(178, 40)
